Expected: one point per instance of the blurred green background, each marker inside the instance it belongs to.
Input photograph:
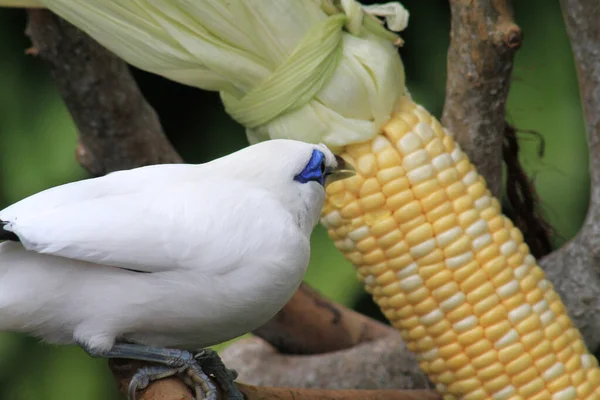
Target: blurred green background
(38, 139)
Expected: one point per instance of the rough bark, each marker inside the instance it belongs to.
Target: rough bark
(312, 324)
(174, 389)
(358, 351)
(574, 269)
(101, 96)
(379, 364)
(483, 40)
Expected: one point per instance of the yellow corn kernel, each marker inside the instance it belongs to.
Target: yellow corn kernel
(433, 200)
(525, 376)
(435, 257)
(466, 271)
(439, 212)
(439, 279)
(471, 337)
(388, 158)
(486, 305)
(489, 254)
(450, 271)
(418, 296)
(497, 384)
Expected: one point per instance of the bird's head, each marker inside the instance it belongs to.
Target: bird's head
(293, 171)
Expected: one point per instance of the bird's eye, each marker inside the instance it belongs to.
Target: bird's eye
(314, 170)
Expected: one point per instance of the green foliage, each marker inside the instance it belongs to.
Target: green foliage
(38, 140)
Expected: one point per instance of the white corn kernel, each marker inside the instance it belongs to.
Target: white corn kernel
(587, 361)
(380, 143)
(452, 302)
(430, 355)
(415, 159)
(508, 289)
(505, 393)
(457, 153)
(483, 202)
(540, 306)
(521, 271)
(408, 271)
(359, 234)
(477, 228)
(424, 131)
(370, 280)
(519, 313)
(442, 162)
(445, 238)
(544, 284)
(334, 218)
(460, 260)
(481, 241)
(508, 248)
(554, 371)
(547, 317)
(470, 178)
(409, 143)
(569, 393)
(529, 260)
(509, 338)
(420, 174)
(411, 283)
(423, 249)
(465, 324)
(432, 318)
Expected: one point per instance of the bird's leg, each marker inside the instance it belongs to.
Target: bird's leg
(175, 361)
(210, 362)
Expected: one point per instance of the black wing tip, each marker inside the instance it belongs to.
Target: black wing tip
(7, 235)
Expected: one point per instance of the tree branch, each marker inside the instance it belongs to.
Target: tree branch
(118, 129)
(312, 324)
(483, 40)
(379, 364)
(174, 389)
(574, 269)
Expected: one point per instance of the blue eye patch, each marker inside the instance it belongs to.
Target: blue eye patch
(314, 170)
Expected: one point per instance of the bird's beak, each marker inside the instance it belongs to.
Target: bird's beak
(342, 171)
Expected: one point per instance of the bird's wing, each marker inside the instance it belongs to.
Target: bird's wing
(163, 225)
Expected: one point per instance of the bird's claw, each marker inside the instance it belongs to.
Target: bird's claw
(193, 376)
(140, 381)
(189, 366)
(145, 375)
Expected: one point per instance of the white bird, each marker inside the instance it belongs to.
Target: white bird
(140, 263)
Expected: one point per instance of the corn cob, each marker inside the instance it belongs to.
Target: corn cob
(451, 272)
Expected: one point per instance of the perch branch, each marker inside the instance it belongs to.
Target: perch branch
(312, 324)
(483, 40)
(574, 268)
(378, 364)
(174, 389)
(119, 130)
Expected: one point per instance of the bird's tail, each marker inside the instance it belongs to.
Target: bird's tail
(5, 234)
